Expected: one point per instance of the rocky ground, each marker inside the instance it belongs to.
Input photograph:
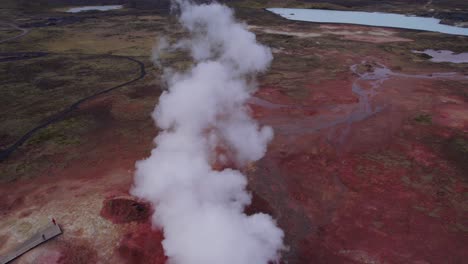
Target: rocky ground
(368, 163)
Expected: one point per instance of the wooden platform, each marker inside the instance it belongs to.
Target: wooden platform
(49, 232)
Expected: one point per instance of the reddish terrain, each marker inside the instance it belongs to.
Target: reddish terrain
(367, 166)
(369, 187)
(361, 179)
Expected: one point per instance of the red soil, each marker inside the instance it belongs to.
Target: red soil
(384, 188)
(378, 190)
(142, 245)
(453, 115)
(75, 252)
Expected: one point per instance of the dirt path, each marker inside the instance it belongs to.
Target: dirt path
(5, 153)
(16, 56)
(23, 33)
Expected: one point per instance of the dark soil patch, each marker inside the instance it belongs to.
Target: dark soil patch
(258, 205)
(125, 209)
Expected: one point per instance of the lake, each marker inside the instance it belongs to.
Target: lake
(93, 8)
(369, 19)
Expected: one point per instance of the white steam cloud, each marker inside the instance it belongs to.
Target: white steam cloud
(199, 197)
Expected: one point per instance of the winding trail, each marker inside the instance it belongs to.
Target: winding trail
(17, 56)
(5, 153)
(22, 34)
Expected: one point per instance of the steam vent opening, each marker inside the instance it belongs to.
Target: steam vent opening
(233, 131)
(121, 210)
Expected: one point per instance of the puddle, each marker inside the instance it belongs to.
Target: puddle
(445, 56)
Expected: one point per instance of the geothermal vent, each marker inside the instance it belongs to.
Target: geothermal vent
(191, 177)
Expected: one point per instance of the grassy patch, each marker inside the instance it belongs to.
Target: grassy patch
(63, 133)
(35, 90)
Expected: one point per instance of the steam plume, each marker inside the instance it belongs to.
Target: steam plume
(199, 197)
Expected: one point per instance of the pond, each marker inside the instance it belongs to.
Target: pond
(369, 19)
(93, 8)
(445, 56)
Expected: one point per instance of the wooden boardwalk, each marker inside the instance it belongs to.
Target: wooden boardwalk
(49, 232)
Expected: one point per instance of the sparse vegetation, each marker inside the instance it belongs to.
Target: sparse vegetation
(64, 133)
(368, 169)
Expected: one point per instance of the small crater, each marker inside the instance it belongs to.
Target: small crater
(121, 210)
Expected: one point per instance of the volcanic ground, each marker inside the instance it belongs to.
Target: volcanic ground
(369, 163)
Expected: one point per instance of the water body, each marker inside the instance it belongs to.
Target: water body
(445, 56)
(94, 8)
(369, 19)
